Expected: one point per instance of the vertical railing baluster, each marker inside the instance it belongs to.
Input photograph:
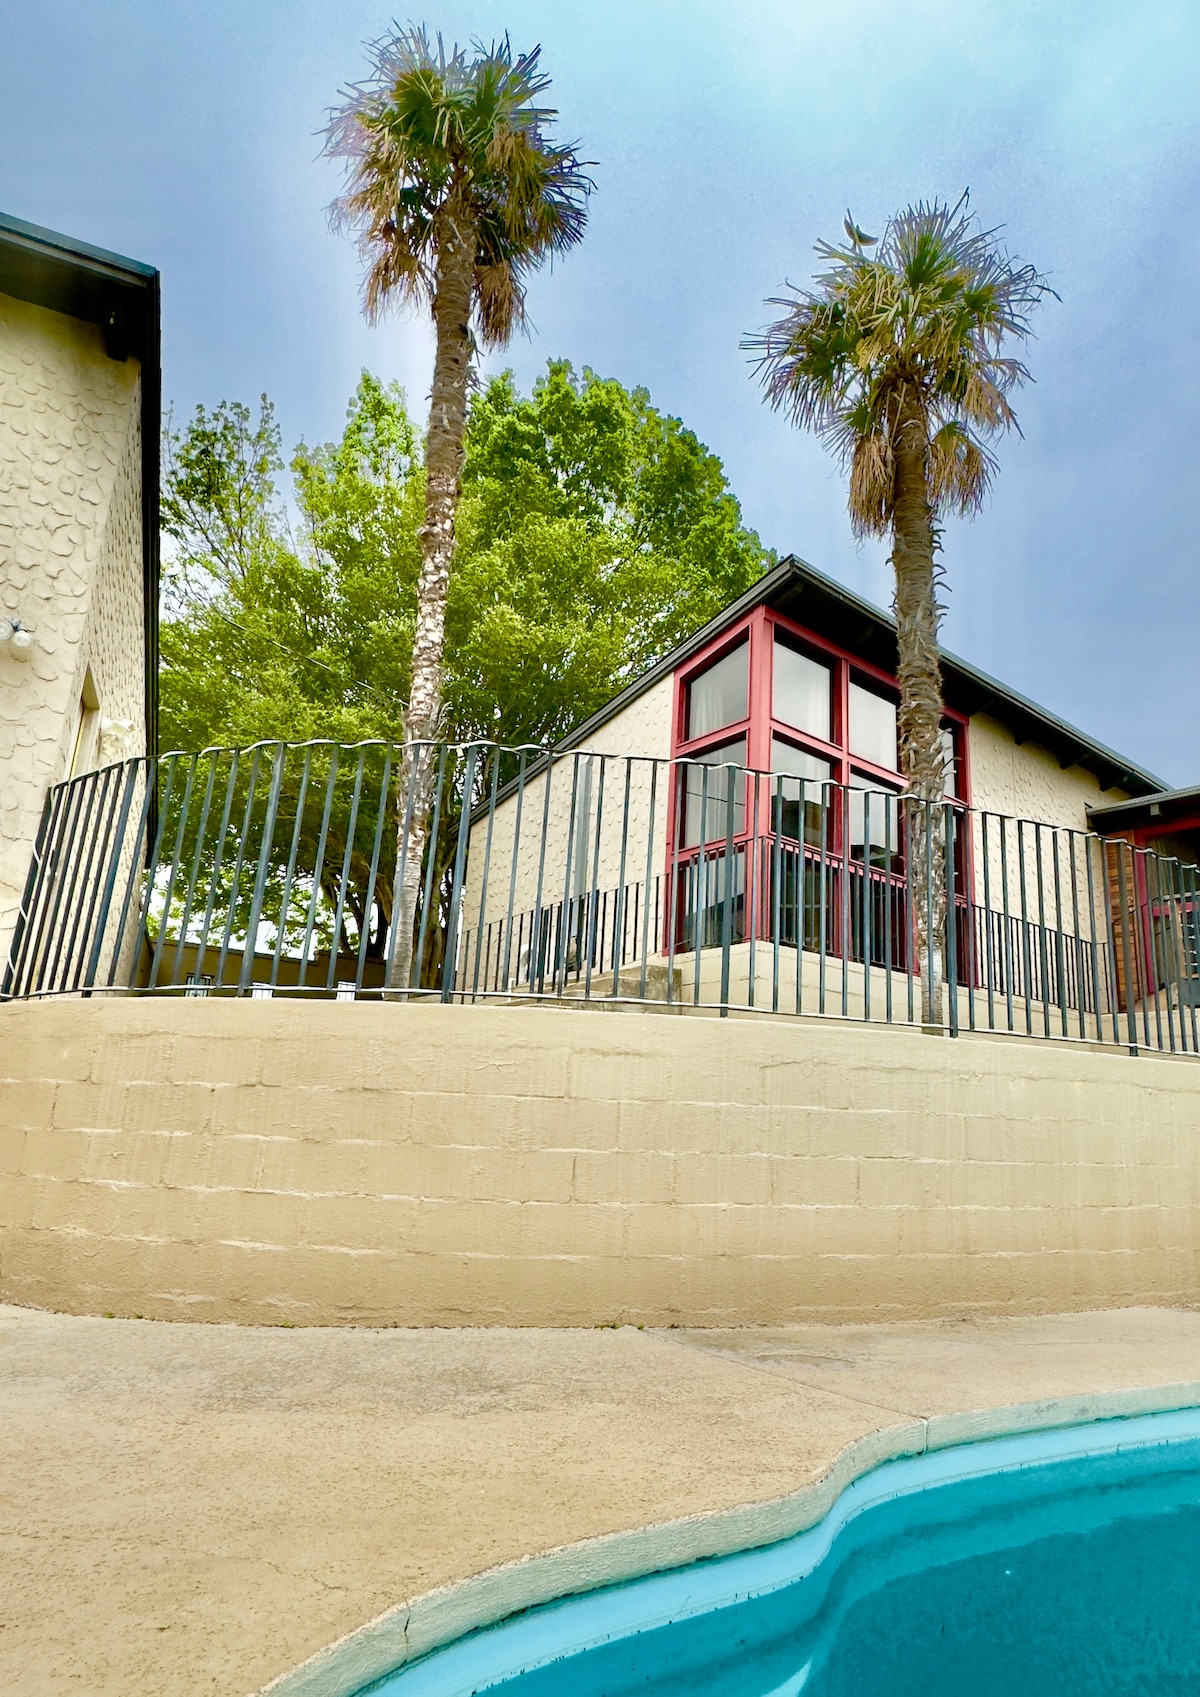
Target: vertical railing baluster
(310, 918)
(1150, 865)
(79, 948)
(619, 908)
(777, 885)
(134, 874)
(450, 953)
(512, 882)
(152, 770)
(285, 897)
(866, 904)
(430, 884)
(1126, 952)
(594, 893)
(132, 768)
(828, 791)
(1026, 953)
(1080, 992)
(536, 950)
(891, 826)
(85, 790)
(1043, 957)
(1091, 844)
(190, 890)
(699, 913)
(844, 904)
(210, 904)
(31, 897)
(727, 913)
(647, 905)
(951, 933)
(250, 948)
(239, 862)
(752, 884)
(176, 855)
(1059, 959)
(385, 789)
(485, 876)
(562, 953)
(339, 907)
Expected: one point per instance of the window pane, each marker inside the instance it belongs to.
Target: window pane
(801, 692)
(709, 795)
(718, 697)
(873, 727)
(710, 888)
(785, 796)
(874, 820)
(950, 785)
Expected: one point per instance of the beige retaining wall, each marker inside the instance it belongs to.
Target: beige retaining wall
(287, 1162)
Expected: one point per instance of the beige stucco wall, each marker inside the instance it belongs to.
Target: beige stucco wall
(642, 729)
(1026, 781)
(70, 562)
(428, 1165)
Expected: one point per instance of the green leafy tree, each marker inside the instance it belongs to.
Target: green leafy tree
(599, 533)
(456, 193)
(898, 359)
(595, 534)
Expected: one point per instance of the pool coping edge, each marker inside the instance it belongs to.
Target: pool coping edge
(412, 1628)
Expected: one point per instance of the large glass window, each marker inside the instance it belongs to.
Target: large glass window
(873, 727)
(788, 796)
(801, 691)
(711, 796)
(718, 697)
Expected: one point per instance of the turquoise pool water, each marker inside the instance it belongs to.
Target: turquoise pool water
(1061, 1565)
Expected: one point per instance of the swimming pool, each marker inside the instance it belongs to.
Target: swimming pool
(1065, 1562)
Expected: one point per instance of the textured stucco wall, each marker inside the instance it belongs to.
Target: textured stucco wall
(643, 728)
(428, 1165)
(1026, 781)
(70, 561)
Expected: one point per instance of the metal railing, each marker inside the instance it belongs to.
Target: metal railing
(274, 870)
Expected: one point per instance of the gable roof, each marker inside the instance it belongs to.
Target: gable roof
(827, 608)
(121, 296)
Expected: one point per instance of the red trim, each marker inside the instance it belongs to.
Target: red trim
(758, 629)
(1142, 834)
(759, 726)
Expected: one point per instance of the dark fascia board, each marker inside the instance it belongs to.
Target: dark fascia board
(122, 297)
(1168, 805)
(828, 608)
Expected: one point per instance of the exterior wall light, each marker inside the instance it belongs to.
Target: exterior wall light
(15, 640)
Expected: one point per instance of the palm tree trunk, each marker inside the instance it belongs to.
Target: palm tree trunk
(922, 759)
(443, 468)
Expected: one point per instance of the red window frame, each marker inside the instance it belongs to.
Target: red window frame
(759, 727)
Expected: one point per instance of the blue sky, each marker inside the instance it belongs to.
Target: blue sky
(728, 140)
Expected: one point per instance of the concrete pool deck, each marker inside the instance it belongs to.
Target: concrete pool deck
(200, 1508)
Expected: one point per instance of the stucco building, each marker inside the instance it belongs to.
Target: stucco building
(79, 456)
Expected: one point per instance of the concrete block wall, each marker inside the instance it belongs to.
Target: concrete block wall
(350, 1163)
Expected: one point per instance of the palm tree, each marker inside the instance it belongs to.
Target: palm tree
(455, 193)
(896, 358)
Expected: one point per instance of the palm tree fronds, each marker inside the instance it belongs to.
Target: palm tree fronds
(924, 313)
(431, 135)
